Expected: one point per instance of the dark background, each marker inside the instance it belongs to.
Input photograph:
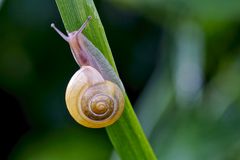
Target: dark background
(179, 61)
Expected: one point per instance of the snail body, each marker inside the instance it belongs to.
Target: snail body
(94, 95)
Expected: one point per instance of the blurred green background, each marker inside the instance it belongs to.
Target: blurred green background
(179, 61)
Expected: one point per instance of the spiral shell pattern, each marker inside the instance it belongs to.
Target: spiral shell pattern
(93, 101)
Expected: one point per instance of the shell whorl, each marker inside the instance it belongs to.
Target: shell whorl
(93, 101)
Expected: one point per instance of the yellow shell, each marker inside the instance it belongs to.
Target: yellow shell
(92, 101)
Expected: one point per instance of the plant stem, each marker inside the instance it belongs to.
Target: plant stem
(126, 134)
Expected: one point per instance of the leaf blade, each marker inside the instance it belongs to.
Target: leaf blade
(126, 134)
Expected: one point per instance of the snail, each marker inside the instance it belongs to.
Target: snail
(95, 94)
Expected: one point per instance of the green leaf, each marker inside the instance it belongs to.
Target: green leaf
(126, 134)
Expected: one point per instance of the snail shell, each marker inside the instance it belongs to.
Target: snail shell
(92, 101)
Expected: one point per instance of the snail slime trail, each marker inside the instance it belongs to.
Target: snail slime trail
(94, 95)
